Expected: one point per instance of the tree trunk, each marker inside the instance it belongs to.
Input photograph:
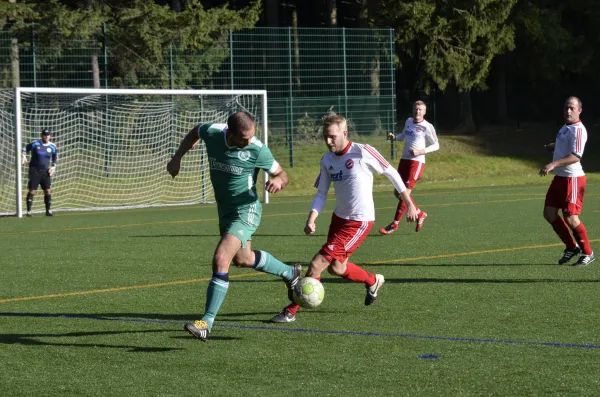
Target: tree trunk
(271, 13)
(372, 61)
(296, 46)
(176, 6)
(94, 58)
(96, 71)
(331, 13)
(500, 76)
(14, 58)
(467, 112)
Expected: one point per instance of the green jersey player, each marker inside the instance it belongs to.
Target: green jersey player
(235, 157)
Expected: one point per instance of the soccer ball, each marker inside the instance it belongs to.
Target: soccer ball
(309, 292)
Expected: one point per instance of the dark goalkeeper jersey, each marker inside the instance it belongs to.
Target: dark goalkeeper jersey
(43, 156)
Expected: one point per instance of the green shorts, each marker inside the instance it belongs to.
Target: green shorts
(241, 222)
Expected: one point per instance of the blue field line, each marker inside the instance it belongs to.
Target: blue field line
(311, 331)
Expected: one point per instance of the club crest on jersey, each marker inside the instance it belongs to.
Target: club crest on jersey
(338, 176)
(243, 155)
(48, 150)
(349, 164)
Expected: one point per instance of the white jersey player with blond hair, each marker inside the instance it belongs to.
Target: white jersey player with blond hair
(350, 167)
(568, 186)
(419, 138)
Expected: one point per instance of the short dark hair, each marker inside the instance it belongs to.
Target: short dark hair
(46, 131)
(576, 99)
(240, 121)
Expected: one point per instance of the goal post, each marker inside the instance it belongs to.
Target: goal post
(114, 144)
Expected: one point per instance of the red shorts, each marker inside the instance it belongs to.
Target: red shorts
(345, 236)
(566, 193)
(410, 172)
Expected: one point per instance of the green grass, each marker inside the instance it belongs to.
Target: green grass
(93, 304)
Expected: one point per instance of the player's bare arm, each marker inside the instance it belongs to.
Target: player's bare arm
(310, 226)
(567, 160)
(278, 182)
(190, 140)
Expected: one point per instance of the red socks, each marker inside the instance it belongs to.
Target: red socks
(357, 274)
(353, 273)
(400, 211)
(581, 236)
(293, 307)
(402, 207)
(562, 230)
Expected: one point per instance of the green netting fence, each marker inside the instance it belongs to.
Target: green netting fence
(306, 71)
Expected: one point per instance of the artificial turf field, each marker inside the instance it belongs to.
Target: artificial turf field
(93, 304)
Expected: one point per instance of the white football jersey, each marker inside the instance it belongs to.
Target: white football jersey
(352, 175)
(417, 136)
(571, 138)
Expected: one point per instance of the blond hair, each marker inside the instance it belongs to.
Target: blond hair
(417, 103)
(334, 119)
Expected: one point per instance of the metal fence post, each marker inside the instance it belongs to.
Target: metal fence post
(33, 50)
(392, 123)
(291, 95)
(345, 73)
(171, 77)
(231, 58)
(105, 47)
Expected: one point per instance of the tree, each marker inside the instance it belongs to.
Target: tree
(140, 33)
(14, 16)
(454, 41)
(331, 13)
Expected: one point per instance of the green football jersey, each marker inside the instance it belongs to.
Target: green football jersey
(233, 171)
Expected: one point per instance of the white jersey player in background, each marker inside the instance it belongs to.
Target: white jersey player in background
(350, 167)
(568, 186)
(419, 138)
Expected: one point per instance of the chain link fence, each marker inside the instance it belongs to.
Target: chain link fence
(307, 72)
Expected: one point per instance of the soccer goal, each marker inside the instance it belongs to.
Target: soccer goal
(114, 144)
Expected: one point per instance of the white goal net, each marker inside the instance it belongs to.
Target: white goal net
(113, 145)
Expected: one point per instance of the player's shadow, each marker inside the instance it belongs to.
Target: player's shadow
(212, 235)
(41, 339)
(424, 280)
(422, 264)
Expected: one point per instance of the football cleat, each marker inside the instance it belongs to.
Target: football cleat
(284, 317)
(49, 213)
(198, 329)
(296, 271)
(389, 229)
(372, 290)
(421, 220)
(29, 214)
(568, 254)
(585, 260)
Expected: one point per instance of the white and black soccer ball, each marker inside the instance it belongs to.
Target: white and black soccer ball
(309, 292)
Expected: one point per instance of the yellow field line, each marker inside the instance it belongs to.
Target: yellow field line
(264, 216)
(71, 229)
(117, 289)
(198, 280)
(470, 253)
